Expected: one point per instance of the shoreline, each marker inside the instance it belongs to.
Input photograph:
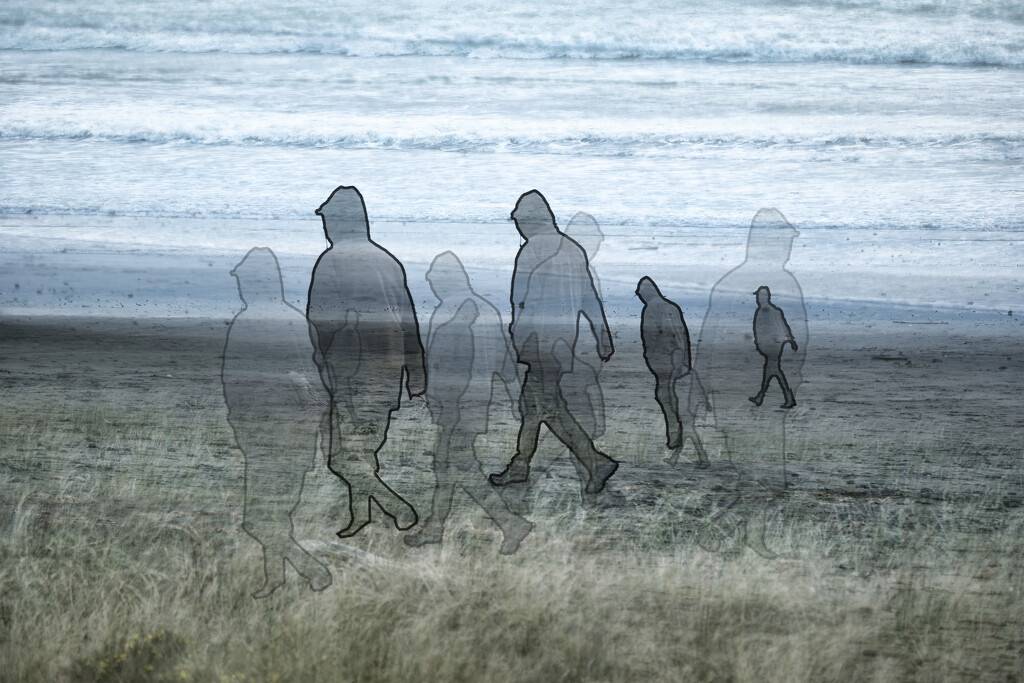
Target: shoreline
(848, 272)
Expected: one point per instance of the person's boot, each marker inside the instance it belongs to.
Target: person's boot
(514, 535)
(419, 538)
(405, 516)
(673, 457)
(756, 400)
(603, 471)
(316, 575)
(360, 516)
(675, 438)
(517, 471)
(752, 535)
(273, 572)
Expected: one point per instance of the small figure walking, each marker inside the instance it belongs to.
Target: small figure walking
(666, 343)
(771, 334)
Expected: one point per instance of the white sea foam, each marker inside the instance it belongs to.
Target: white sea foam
(858, 115)
(968, 32)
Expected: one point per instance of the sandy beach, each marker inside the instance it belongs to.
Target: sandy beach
(903, 467)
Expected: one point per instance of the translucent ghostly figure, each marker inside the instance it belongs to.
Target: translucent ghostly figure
(551, 288)
(275, 406)
(366, 337)
(666, 341)
(728, 363)
(467, 348)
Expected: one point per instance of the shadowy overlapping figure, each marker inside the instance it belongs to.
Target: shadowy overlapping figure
(728, 361)
(666, 341)
(551, 288)
(467, 349)
(275, 405)
(365, 336)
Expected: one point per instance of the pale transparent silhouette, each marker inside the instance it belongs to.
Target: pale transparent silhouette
(467, 349)
(728, 363)
(275, 406)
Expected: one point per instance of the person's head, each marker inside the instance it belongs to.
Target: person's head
(259, 277)
(533, 215)
(447, 276)
(583, 228)
(763, 295)
(647, 290)
(344, 214)
(770, 240)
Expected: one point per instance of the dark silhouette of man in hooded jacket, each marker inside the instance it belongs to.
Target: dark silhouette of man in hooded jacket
(551, 288)
(365, 333)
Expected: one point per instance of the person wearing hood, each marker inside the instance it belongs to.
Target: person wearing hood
(274, 409)
(666, 342)
(366, 339)
(467, 349)
(551, 288)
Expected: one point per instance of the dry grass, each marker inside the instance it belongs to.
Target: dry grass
(124, 562)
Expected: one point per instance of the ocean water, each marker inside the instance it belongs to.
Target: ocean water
(671, 123)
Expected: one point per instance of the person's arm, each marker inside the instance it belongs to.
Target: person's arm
(790, 339)
(682, 338)
(415, 361)
(593, 309)
(517, 294)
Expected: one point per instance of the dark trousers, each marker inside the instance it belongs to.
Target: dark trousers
(773, 368)
(541, 403)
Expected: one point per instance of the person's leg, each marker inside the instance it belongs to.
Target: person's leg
(766, 377)
(444, 491)
(292, 482)
(530, 407)
(665, 394)
(598, 465)
(468, 476)
(789, 400)
(266, 513)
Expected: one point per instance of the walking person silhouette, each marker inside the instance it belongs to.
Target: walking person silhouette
(771, 334)
(726, 361)
(666, 342)
(274, 409)
(366, 339)
(551, 288)
(466, 350)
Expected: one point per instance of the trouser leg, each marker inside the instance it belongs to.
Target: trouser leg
(444, 489)
(357, 467)
(776, 372)
(530, 407)
(466, 472)
(578, 441)
(665, 394)
(766, 377)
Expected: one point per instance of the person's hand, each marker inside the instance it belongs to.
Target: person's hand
(792, 342)
(417, 381)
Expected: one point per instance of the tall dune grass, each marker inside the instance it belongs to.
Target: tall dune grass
(122, 559)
